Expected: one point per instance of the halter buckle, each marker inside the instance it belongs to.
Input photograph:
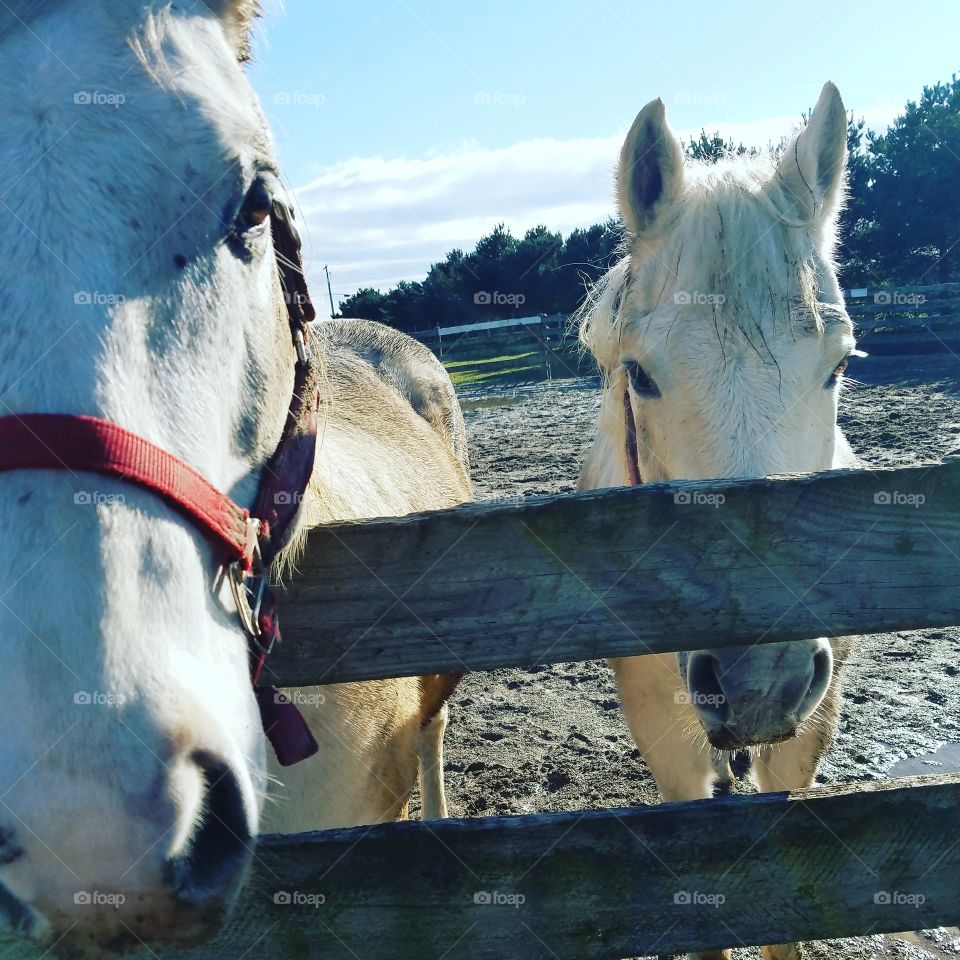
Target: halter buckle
(303, 348)
(248, 583)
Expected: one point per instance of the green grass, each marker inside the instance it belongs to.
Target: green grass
(510, 368)
(457, 364)
(467, 373)
(473, 377)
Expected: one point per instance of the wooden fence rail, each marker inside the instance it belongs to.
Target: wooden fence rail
(656, 569)
(605, 884)
(618, 572)
(907, 319)
(917, 318)
(666, 567)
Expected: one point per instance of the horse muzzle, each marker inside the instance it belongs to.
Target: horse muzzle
(166, 874)
(749, 696)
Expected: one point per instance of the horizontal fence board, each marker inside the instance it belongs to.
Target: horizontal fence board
(896, 325)
(934, 310)
(628, 571)
(888, 324)
(605, 884)
(930, 288)
(489, 325)
(899, 328)
(907, 343)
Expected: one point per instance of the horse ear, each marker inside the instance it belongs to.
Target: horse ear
(651, 169)
(238, 17)
(812, 171)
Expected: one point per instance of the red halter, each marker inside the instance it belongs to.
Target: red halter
(57, 441)
(246, 546)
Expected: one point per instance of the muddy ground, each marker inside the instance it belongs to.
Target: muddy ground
(554, 739)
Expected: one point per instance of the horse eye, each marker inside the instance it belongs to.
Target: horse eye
(256, 207)
(838, 371)
(642, 385)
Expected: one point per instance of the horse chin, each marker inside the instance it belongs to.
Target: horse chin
(122, 938)
(145, 922)
(726, 738)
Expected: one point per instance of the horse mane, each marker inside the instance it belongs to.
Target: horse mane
(240, 15)
(747, 187)
(598, 318)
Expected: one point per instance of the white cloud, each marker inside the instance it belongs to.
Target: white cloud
(377, 220)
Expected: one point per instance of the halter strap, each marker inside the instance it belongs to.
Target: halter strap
(56, 441)
(631, 455)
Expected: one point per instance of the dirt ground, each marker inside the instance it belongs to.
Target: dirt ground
(554, 739)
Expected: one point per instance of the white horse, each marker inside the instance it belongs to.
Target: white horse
(723, 339)
(139, 286)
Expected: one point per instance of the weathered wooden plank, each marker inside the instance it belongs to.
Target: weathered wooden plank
(929, 309)
(620, 572)
(930, 288)
(601, 885)
(911, 343)
(901, 328)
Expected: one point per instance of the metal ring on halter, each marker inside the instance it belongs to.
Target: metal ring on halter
(242, 596)
(265, 650)
(303, 348)
(249, 583)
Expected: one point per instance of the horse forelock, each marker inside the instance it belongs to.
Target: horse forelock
(725, 240)
(238, 15)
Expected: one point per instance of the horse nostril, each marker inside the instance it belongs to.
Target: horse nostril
(21, 919)
(706, 691)
(822, 669)
(215, 859)
(822, 675)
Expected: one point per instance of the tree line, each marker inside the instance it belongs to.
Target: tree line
(901, 225)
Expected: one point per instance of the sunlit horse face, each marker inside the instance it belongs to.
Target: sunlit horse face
(138, 287)
(731, 339)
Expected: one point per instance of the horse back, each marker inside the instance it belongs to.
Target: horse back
(392, 436)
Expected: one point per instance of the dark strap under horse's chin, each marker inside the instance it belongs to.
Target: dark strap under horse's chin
(631, 455)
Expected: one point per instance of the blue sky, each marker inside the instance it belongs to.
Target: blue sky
(411, 126)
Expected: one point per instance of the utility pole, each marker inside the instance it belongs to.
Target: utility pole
(333, 309)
